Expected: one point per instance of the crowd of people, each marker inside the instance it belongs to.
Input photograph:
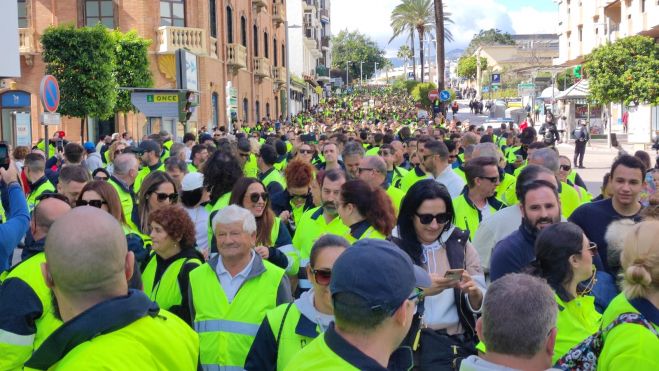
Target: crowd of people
(358, 235)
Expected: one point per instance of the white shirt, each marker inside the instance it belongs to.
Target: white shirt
(199, 217)
(451, 181)
(494, 229)
(230, 284)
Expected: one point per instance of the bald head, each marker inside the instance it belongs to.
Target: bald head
(45, 214)
(86, 255)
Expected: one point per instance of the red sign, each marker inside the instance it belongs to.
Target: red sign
(433, 94)
(49, 93)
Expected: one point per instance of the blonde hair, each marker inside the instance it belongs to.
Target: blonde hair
(640, 260)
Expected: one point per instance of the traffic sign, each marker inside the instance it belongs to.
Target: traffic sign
(496, 78)
(49, 93)
(526, 89)
(433, 94)
(445, 95)
(49, 118)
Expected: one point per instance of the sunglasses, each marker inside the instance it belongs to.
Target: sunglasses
(592, 247)
(94, 203)
(306, 151)
(492, 179)
(566, 167)
(322, 276)
(295, 197)
(162, 197)
(103, 178)
(441, 218)
(254, 197)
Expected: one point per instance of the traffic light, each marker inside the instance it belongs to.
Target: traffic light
(186, 103)
(577, 71)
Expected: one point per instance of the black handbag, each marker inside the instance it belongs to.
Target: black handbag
(440, 351)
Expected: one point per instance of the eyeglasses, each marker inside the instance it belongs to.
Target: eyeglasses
(441, 218)
(384, 153)
(47, 195)
(592, 247)
(306, 151)
(493, 179)
(566, 167)
(254, 197)
(94, 203)
(164, 196)
(322, 276)
(103, 178)
(295, 197)
(363, 169)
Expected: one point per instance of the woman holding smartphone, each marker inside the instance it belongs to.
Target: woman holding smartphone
(427, 234)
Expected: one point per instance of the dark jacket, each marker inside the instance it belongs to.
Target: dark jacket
(549, 133)
(513, 253)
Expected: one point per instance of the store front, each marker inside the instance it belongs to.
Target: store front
(15, 118)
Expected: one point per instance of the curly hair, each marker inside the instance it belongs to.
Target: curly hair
(299, 174)
(177, 223)
(221, 173)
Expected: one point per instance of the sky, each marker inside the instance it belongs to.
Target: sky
(372, 17)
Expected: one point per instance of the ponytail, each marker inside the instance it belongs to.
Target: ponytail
(637, 280)
(380, 214)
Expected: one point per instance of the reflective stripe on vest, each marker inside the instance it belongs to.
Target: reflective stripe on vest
(226, 330)
(10, 338)
(167, 292)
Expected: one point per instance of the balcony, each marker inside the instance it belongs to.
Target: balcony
(324, 15)
(259, 4)
(236, 56)
(261, 67)
(172, 38)
(279, 74)
(25, 41)
(325, 42)
(278, 14)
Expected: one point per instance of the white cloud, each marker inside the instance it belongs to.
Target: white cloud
(371, 17)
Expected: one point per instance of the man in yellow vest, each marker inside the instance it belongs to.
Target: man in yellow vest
(106, 324)
(26, 311)
(230, 295)
(35, 172)
(373, 170)
(375, 291)
(149, 151)
(272, 179)
(126, 168)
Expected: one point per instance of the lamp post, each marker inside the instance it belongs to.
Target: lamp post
(347, 66)
(288, 70)
(361, 73)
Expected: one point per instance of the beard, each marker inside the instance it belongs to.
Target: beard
(330, 207)
(532, 226)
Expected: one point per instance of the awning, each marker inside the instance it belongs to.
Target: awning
(549, 93)
(579, 90)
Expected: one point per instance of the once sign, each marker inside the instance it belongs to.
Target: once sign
(161, 98)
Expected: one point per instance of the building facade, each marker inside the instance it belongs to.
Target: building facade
(240, 48)
(310, 52)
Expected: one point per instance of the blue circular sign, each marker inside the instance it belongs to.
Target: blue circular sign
(444, 95)
(49, 93)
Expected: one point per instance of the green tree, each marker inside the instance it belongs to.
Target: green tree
(625, 71)
(489, 37)
(419, 16)
(132, 67)
(82, 60)
(355, 47)
(404, 53)
(420, 93)
(467, 66)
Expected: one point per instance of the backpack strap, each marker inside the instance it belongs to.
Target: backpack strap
(636, 318)
(456, 250)
(283, 320)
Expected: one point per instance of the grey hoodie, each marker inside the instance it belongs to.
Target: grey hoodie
(475, 363)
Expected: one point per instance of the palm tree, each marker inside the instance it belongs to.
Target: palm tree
(405, 54)
(401, 23)
(419, 16)
(439, 39)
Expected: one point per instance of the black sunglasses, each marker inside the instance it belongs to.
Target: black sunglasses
(566, 167)
(306, 151)
(254, 197)
(441, 218)
(95, 203)
(164, 196)
(492, 179)
(322, 276)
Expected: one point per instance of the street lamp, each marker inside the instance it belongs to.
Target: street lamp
(288, 69)
(361, 73)
(347, 65)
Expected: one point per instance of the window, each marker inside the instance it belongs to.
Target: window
(283, 55)
(229, 25)
(274, 50)
(172, 13)
(580, 29)
(256, 40)
(215, 109)
(267, 110)
(212, 9)
(22, 14)
(243, 31)
(245, 110)
(99, 11)
(276, 107)
(257, 110)
(265, 45)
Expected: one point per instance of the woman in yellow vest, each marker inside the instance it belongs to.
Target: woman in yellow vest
(102, 195)
(157, 190)
(166, 276)
(367, 211)
(273, 241)
(632, 346)
(289, 327)
(567, 175)
(564, 257)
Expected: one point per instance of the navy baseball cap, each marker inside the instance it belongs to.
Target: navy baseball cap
(379, 272)
(148, 146)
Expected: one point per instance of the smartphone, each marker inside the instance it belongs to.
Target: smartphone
(4, 156)
(60, 145)
(454, 274)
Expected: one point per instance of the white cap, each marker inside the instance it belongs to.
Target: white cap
(192, 181)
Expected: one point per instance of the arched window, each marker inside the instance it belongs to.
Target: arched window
(266, 52)
(229, 25)
(243, 31)
(274, 50)
(256, 40)
(276, 107)
(257, 110)
(215, 107)
(267, 110)
(283, 55)
(245, 110)
(212, 10)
